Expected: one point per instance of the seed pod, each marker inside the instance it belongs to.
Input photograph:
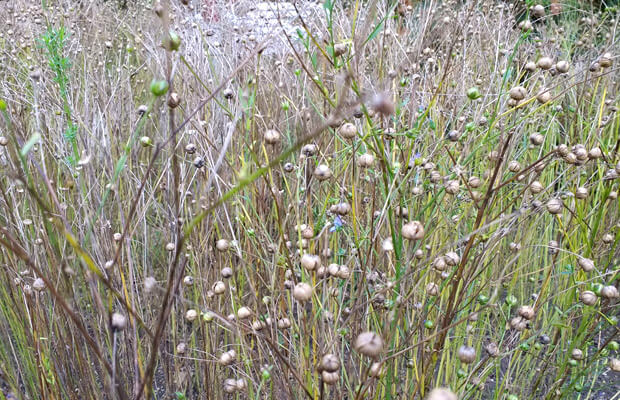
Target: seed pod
(452, 258)
(191, 315)
(219, 287)
(188, 280)
(159, 87)
(118, 322)
(586, 264)
(543, 96)
(322, 172)
(614, 364)
(453, 135)
(441, 394)
(518, 93)
(538, 11)
(554, 206)
(230, 386)
(608, 238)
(537, 139)
(576, 354)
(466, 354)
(606, 60)
(530, 66)
(170, 246)
(452, 187)
(302, 292)
(588, 298)
(609, 292)
(432, 289)
(348, 131)
(595, 153)
(310, 261)
(228, 93)
(514, 166)
(474, 182)
(146, 141)
(222, 245)
(544, 63)
(272, 136)
(174, 100)
(562, 66)
(492, 349)
(330, 377)
(309, 150)
(376, 370)
(369, 344)
(518, 323)
(413, 230)
(243, 313)
(340, 49)
(330, 363)
(581, 193)
(439, 264)
(365, 160)
(526, 312)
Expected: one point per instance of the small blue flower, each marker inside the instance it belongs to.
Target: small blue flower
(336, 225)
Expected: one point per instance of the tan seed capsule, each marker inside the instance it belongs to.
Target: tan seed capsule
(536, 187)
(554, 206)
(348, 131)
(413, 230)
(466, 354)
(330, 363)
(543, 96)
(441, 394)
(230, 386)
(588, 297)
(526, 312)
(606, 60)
(219, 287)
(432, 289)
(452, 187)
(595, 153)
(609, 292)
(562, 66)
(118, 322)
(369, 344)
(310, 261)
(530, 66)
(272, 136)
(243, 313)
(366, 160)
(544, 63)
(581, 193)
(614, 364)
(577, 354)
(330, 378)
(222, 245)
(514, 166)
(518, 93)
(322, 172)
(302, 292)
(586, 264)
(608, 238)
(191, 315)
(537, 139)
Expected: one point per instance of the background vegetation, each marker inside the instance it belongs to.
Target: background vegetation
(391, 198)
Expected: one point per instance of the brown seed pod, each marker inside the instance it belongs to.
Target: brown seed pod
(369, 344)
(586, 264)
(581, 193)
(330, 363)
(348, 131)
(118, 321)
(413, 230)
(577, 354)
(330, 377)
(272, 136)
(452, 187)
(518, 93)
(310, 261)
(432, 289)
(366, 160)
(322, 172)
(526, 312)
(609, 292)
(492, 349)
(544, 63)
(302, 292)
(588, 298)
(554, 206)
(441, 394)
(466, 354)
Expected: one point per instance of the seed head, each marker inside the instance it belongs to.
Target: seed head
(441, 394)
(413, 230)
(119, 322)
(302, 292)
(588, 298)
(369, 344)
(466, 354)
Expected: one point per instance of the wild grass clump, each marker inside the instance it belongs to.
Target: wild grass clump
(391, 201)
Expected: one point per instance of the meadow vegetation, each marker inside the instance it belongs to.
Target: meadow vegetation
(395, 201)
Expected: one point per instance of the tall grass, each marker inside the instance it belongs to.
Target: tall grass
(155, 243)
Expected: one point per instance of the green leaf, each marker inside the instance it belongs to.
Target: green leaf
(34, 139)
